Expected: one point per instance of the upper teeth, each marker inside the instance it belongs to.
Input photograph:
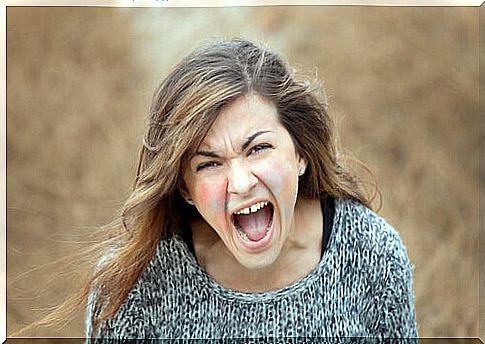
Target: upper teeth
(252, 209)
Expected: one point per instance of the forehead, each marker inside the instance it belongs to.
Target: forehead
(243, 117)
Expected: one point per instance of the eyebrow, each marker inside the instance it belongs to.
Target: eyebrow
(247, 142)
(209, 154)
(252, 137)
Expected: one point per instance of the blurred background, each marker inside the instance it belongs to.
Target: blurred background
(403, 87)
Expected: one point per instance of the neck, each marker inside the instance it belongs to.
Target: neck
(298, 257)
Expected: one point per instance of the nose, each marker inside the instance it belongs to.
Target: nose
(241, 179)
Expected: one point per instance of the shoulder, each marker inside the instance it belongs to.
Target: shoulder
(369, 238)
(156, 283)
(367, 230)
(376, 250)
(362, 220)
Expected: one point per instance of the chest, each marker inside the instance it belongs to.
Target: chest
(198, 313)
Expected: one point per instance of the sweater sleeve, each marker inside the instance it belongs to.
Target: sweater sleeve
(129, 320)
(109, 331)
(89, 317)
(90, 314)
(396, 295)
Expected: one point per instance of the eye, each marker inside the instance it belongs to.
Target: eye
(260, 147)
(207, 164)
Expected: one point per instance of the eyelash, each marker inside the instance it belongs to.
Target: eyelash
(206, 165)
(258, 148)
(255, 150)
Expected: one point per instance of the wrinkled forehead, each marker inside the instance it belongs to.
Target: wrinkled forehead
(240, 119)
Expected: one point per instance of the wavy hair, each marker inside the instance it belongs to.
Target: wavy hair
(184, 107)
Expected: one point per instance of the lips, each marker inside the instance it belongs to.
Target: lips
(254, 222)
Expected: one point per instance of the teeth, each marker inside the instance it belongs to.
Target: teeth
(252, 209)
(244, 235)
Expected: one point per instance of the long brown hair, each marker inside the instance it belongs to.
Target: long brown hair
(184, 107)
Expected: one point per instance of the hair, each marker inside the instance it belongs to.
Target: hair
(184, 107)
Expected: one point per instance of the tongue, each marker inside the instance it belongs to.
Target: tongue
(255, 224)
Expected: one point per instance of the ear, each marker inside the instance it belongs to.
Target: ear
(185, 194)
(302, 165)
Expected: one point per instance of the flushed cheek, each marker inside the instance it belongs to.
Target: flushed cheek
(210, 198)
(279, 176)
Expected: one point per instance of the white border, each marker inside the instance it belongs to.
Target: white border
(229, 3)
(3, 173)
(138, 3)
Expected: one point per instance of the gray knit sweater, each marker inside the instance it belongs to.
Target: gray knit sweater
(362, 287)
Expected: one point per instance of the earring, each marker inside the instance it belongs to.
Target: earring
(190, 201)
(302, 171)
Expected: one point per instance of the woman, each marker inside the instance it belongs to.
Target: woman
(243, 221)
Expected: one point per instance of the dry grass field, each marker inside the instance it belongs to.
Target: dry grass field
(403, 86)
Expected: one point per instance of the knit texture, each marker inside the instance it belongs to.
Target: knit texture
(362, 287)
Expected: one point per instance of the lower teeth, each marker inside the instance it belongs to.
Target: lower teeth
(245, 236)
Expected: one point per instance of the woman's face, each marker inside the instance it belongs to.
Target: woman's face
(244, 180)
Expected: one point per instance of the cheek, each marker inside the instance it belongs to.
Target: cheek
(279, 176)
(210, 198)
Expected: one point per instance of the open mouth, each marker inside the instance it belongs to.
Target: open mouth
(253, 223)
